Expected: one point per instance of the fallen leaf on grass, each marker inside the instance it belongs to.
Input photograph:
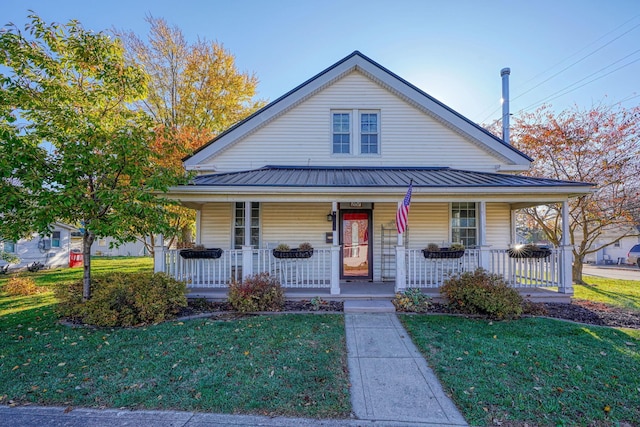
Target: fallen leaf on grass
(68, 409)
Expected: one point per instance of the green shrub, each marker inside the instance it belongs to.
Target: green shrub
(260, 292)
(482, 293)
(412, 300)
(21, 286)
(128, 299)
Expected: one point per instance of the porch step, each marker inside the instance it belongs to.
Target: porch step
(368, 306)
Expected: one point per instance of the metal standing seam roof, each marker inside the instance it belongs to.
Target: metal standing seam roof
(423, 177)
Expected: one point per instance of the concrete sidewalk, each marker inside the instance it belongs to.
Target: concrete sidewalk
(390, 380)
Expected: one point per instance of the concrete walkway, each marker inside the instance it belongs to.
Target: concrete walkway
(391, 386)
(390, 380)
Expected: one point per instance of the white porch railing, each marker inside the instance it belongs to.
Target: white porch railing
(518, 272)
(313, 272)
(527, 272)
(430, 273)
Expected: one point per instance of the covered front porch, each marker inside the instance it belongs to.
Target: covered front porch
(539, 279)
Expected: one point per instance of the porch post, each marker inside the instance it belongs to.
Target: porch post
(159, 255)
(247, 249)
(566, 254)
(485, 254)
(198, 226)
(335, 253)
(335, 270)
(401, 269)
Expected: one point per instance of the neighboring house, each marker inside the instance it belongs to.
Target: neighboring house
(52, 251)
(329, 162)
(103, 247)
(616, 253)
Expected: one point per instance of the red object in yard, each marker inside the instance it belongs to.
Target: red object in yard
(75, 259)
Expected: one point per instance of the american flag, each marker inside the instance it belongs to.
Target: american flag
(402, 216)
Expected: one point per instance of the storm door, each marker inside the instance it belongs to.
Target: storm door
(355, 233)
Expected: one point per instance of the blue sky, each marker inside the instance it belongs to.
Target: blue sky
(453, 50)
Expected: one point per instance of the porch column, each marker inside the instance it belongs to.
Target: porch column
(485, 253)
(401, 269)
(198, 226)
(566, 254)
(247, 249)
(335, 253)
(159, 255)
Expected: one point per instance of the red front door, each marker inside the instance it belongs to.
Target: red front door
(355, 238)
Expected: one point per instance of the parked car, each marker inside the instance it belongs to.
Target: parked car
(633, 257)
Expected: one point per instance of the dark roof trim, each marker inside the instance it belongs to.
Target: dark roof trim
(395, 76)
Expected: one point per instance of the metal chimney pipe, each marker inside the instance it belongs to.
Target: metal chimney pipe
(504, 73)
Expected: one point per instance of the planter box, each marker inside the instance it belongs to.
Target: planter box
(292, 254)
(210, 253)
(529, 253)
(442, 253)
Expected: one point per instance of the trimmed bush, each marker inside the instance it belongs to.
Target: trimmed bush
(482, 293)
(412, 300)
(21, 286)
(260, 292)
(119, 299)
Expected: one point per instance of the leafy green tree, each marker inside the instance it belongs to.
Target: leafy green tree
(73, 148)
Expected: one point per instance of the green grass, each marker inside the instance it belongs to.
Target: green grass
(536, 371)
(619, 293)
(281, 365)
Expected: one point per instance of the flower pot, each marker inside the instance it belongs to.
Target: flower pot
(209, 253)
(443, 253)
(292, 254)
(529, 253)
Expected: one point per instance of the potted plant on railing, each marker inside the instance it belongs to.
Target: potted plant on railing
(433, 251)
(304, 250)
(199, 251)
(529, 251)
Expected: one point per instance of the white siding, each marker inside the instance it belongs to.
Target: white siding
(302, 136)
(29, 252)
(294, 223)
(498, 225)
(215, 228)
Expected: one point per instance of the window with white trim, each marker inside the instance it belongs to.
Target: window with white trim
(8, 246)
(238, 225)
(464, 224)
(369, 133)
(55, 239)
(341, 132)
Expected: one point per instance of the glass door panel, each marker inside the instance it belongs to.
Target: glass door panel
(355, 243)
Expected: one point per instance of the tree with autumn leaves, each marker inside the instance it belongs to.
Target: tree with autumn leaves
(599, 146)
(73, 148)
(195, 91)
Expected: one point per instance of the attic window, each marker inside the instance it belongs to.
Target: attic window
(341, 125)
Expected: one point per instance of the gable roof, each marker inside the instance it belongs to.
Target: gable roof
(391, 81)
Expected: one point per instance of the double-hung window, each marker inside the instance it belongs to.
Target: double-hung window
(239, 225)
(463, 223)
(369, 133)
(55, 239)
(341, 129)
(355, 132)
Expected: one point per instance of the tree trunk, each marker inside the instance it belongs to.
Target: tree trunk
(578, 261)
(87, 240)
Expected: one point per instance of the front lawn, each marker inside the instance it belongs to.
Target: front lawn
(535, 371)
(616, 292)
(282, 364)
